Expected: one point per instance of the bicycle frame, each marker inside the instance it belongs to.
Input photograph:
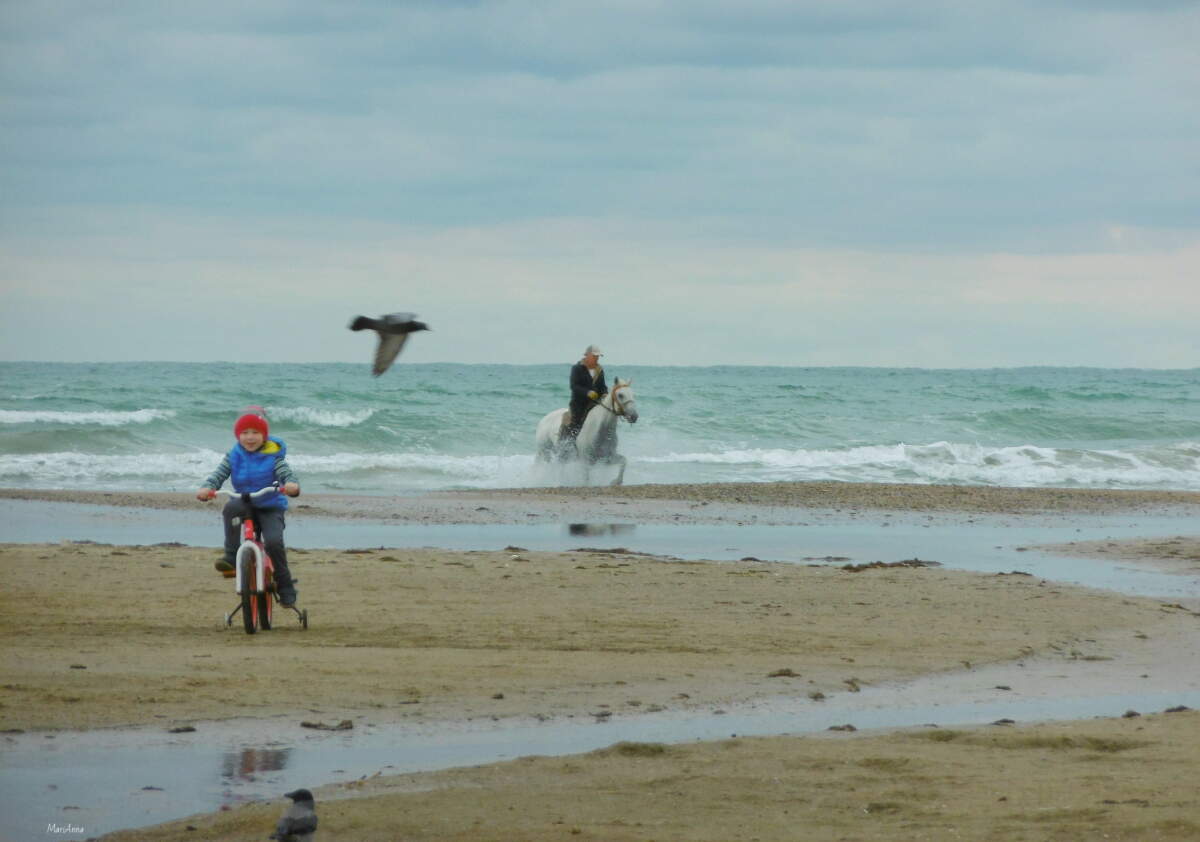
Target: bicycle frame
(255, 599)
(252, 543)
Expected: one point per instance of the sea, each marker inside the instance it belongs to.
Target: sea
(425, 427)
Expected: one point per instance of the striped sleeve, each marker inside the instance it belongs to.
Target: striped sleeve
(283, 472)
(217, 477)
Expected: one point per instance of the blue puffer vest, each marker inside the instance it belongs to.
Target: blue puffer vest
(252, 471)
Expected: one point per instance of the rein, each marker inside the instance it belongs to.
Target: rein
(620, 410)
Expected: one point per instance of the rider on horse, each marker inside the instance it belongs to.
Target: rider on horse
(587, 387)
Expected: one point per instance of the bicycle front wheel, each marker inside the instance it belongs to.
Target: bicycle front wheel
(249, 597)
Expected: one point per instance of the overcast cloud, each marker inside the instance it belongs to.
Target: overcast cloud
(682, 181)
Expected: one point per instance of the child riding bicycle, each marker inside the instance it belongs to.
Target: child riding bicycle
(257, 460)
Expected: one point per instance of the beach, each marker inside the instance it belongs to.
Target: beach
(428, 636)
(782, 502)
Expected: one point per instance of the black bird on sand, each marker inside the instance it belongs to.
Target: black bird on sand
(299, 821)
(393, 330)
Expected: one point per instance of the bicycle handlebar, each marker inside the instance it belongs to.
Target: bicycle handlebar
(267, 490)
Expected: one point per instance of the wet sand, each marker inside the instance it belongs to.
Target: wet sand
(428, 635)
(765, 503)
(1129, 779)
(1179, 554)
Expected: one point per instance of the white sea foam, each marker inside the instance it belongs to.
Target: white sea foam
(107, 418)
(1174, 467)
(387, 472)
(471, 470)
(320, 417)
(72, 469)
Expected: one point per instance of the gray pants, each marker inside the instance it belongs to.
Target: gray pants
(271, 526)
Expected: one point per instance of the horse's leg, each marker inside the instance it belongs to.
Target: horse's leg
(568, 448)
(620, 460)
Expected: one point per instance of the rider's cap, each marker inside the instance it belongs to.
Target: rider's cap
(251, 419)
(592, 349)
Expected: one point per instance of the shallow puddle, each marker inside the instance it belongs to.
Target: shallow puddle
(105, 780)
(990, 544)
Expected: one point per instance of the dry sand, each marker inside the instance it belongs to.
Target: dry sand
(431, 635)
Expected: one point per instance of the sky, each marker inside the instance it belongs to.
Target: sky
(683, 182)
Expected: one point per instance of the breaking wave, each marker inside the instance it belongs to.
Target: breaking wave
(442, 426)
(1176, 466)
(319, 417)
(101, 418)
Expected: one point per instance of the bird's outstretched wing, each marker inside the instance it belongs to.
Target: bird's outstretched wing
(393, 330)
(389, 348)
(391, 323)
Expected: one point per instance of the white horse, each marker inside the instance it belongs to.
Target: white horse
(597, 439)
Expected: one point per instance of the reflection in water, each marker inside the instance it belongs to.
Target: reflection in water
(246, 763)
(600, 528)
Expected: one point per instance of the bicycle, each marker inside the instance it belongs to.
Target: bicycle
(254, 570)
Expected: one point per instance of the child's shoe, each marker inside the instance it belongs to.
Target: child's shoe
(225, 568)
(286, 588)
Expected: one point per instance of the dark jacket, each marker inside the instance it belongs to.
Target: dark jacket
(581, 384)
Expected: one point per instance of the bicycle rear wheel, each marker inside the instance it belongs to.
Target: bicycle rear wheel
(266, 599)
(249, 597)
(264, 610)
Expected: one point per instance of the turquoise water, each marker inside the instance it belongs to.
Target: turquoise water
(164, 426)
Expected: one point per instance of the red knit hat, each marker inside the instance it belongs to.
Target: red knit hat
(251, 419)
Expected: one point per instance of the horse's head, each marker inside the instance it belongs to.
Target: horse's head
(624, 403)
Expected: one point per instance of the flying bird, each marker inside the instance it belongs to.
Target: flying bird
(393, 330)
(299, 821)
